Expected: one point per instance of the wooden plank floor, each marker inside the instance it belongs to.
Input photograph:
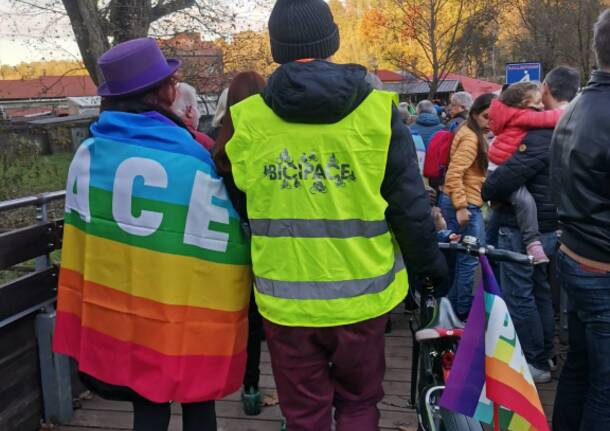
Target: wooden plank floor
(101, 415)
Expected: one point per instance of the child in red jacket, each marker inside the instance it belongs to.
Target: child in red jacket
(518, 111)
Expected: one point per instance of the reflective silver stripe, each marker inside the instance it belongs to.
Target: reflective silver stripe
(298, 228)
(328, 289)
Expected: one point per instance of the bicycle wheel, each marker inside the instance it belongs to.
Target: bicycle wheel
(429, 420)
(434, 418)
(453, 421)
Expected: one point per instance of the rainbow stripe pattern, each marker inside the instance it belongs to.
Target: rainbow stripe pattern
(155, 272)
(490, 367)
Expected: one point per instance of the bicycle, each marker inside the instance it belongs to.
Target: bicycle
(435, 344)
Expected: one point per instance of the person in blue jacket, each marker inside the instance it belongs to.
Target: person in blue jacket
(427, 122)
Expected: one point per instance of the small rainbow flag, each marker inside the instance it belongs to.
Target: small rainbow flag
(155, 270)
(490, 372)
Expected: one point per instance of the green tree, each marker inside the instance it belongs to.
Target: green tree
(553, 32)
(248, 50)
(429, 38)
(37, 69)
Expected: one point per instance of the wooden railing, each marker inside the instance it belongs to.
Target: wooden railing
(37, 289)
(28, 369)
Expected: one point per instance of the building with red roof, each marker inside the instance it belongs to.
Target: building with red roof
(46, 87)
(474, 86)
(46, 95)
(412, 88)
(389, 76)
(202, 64)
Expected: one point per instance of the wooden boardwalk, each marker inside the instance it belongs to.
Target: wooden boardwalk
(102, 415)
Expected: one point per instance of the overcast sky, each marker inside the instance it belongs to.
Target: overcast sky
(43, 35)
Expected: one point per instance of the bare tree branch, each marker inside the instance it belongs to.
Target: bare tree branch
(164, 8)
(99, 24)
(41, 7)
(442, 31)
(87, 26)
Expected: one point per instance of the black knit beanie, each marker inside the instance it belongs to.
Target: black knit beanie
(302, 29)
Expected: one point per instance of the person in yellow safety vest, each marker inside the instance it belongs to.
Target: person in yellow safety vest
(337, 209)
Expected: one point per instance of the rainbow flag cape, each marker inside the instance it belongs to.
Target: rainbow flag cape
(155, 271)
(490, 368)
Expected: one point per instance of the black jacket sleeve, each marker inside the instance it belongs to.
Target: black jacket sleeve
(408, 212)
(522, 167)
(237, 197)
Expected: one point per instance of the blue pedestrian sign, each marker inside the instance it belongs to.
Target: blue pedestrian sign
(522, 72)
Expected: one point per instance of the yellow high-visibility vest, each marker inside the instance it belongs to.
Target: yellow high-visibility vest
(322, 251)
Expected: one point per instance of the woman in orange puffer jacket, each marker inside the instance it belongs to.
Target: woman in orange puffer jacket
(460, 200)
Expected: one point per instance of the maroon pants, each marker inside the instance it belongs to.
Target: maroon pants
(318, 368)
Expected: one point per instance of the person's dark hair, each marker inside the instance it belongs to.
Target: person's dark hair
(244, 85)
(601, 39)
(563, 82)
(518, 94)
(139, 103)
(480, 105)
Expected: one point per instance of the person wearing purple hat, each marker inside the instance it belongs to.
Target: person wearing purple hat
(155, 284)
(136, 75)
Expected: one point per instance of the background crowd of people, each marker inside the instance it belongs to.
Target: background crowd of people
(331, 190)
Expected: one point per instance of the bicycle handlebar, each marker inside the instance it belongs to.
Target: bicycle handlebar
(492, 253)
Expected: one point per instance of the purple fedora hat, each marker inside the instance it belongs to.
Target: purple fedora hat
(133, 66)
